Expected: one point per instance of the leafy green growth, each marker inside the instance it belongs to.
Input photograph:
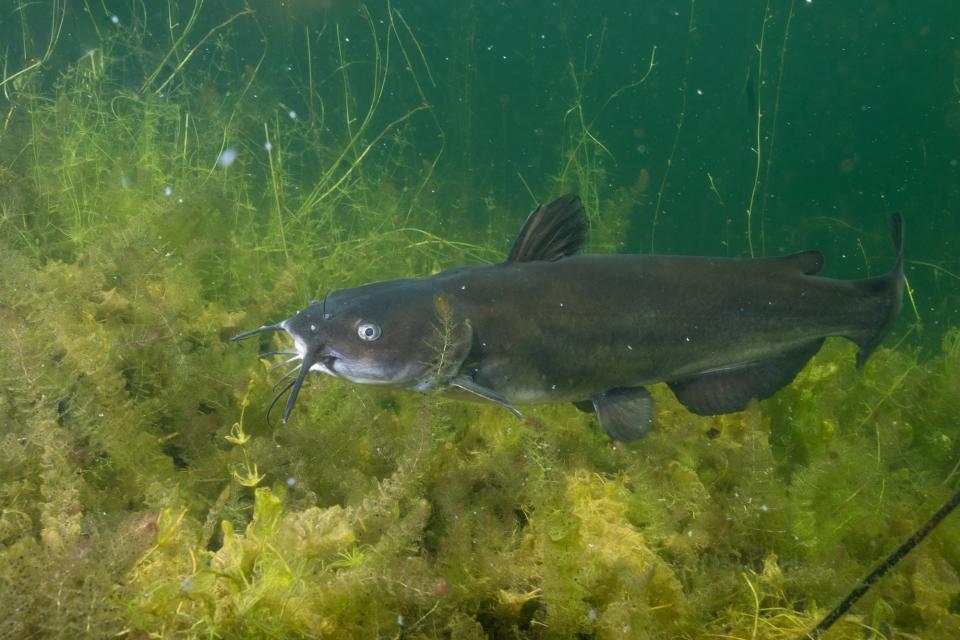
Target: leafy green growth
(143, 494)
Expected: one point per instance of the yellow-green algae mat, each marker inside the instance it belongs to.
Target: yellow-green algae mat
(143, 495)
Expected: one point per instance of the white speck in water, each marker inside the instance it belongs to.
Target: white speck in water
(561, 305)
(227, 156)
(179, 200)
(168, 191)
(687, 338)
(186, 584)
(764, 508)
(292, 114)
(126, 182)
(346, 39)
(699, 92)
(629, 347)
(313, 328)
(101, 415)
(592, 615)
(115, 19)
(400, 620)
(553, 387)
(268, 146)
(291, 482)
(689, 533)
(463, 287)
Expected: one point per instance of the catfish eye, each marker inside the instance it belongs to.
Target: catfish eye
(368, 331)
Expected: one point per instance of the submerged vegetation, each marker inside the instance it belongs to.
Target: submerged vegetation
(157, 198)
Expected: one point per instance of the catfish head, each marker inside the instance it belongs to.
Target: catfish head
(398, 333)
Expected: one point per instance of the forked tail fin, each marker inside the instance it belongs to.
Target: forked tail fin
(889, 289)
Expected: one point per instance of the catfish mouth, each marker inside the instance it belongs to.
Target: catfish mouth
(309, 359)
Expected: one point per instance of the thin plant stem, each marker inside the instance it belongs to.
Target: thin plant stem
(275, 184)
(658, 206)
(773, 131)
(58, 12)
(759, 129)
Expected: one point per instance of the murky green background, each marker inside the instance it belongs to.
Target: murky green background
(859, 101)
(172, 173)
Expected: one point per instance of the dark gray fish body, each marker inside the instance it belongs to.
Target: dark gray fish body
(548, 326)
(559, 331)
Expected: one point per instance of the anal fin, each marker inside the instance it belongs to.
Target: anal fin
(624, 412)
(585, 406)
(730, 390)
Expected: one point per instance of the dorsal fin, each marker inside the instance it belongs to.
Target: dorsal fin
(551, 232)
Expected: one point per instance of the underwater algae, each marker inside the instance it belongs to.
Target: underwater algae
(143, 494)
(438, 519)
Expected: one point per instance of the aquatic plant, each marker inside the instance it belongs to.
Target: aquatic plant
(143, 492)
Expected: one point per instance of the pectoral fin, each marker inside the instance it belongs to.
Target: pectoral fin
(468, 385)
(624, 413)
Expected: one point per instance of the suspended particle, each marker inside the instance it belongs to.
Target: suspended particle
(227, 157)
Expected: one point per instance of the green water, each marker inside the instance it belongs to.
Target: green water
(174, 173)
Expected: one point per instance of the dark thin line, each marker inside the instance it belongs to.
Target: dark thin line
(885, 566)
(276, 398)
(285, 362)
(285, 376)
(297, 384)
(252, 332)
(270, 354)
